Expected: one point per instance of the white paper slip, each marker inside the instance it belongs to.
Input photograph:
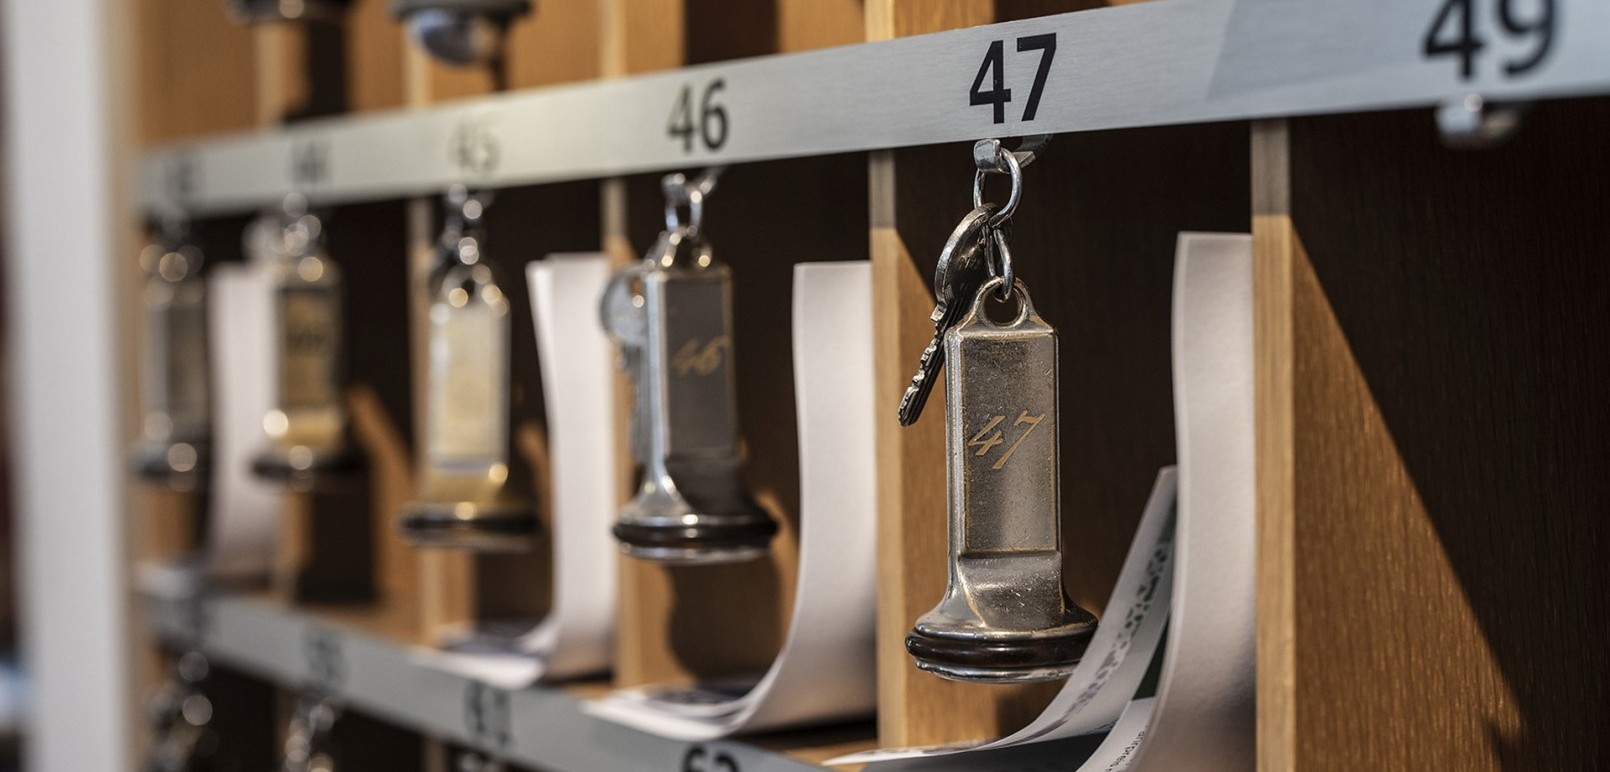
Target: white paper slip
(825, 671)
(577, 362)
(244, 518)
(1114, 751)
(1104, 682)
(1204, 720)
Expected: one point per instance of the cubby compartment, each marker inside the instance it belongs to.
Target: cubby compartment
(1428, 331)
(521, 225)
(1094, 242)
(761, 219)
(1431, 323)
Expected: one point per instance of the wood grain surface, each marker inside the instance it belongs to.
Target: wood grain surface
(1432, 478)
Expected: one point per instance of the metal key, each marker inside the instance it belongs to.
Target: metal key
(963, 267)
(625, 321)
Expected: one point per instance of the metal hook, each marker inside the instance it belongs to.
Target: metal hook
(990, 155)
(1474, 123)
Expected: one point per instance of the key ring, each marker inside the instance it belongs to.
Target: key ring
(462, 233)
(990, 156)
(1004, 254)
(1015, 169)
(681, 192)
(466, 205)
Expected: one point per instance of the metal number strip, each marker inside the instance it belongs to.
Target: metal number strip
(1154, 63)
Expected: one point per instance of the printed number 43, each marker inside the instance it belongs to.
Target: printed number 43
(994, 68)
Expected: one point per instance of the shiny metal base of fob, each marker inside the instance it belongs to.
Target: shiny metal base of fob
(460, 32)
(664, 528)
(304, 469)
(1004, 619)
(981, 656)
(181, 466)
(480, 527)
(266, 11)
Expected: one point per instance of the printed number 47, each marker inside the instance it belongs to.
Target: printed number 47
(985, 441)
(994, 68)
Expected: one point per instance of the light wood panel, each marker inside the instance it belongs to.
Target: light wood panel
(1431, 327)
(190, 54)
(374, 45)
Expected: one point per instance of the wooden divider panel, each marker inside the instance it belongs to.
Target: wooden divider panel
(191, 53)
(1431, 328)
(374, 43)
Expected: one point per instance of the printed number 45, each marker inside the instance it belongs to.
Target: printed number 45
(994, 68)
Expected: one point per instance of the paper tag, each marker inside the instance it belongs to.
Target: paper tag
(243, 532)
(1205, 718)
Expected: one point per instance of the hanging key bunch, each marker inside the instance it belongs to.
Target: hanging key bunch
(1004, 617)
(671, 317)
(181, 718)
(469, 761)
(176, 416)
(307, 428)
(466, 497)
(309, 740)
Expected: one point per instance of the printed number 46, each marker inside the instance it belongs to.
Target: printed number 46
(994, 68)
(1453, 32)
(712, 117)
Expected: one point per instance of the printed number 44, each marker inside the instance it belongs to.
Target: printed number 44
(994, 68)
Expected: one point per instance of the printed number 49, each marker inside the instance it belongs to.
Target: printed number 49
(1453, 32)
(994, 68)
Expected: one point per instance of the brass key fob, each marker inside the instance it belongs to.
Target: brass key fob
(466, 500)
(1004, 617)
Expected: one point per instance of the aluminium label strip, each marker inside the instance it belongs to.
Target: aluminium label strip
(1145, 64)
(537, 726)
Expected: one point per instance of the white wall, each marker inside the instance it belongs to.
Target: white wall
(61, 224)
